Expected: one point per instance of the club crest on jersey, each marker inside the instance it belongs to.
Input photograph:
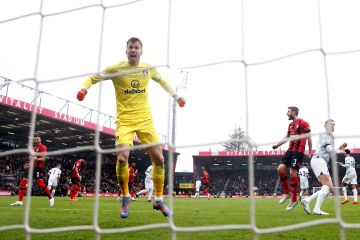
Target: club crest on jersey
(135, 83)
(145, 72)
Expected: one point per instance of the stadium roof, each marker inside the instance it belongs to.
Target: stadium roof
(69, 126)
(232, 161)
(56, 134)
(239, 160)
(61, 123)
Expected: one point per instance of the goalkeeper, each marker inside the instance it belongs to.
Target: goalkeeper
(131, 81)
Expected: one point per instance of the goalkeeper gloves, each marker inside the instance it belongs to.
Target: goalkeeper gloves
(180, 100)
(81, 94)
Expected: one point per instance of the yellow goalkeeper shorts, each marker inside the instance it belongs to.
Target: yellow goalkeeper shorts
(144, 130)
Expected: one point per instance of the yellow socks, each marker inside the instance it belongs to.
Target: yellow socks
(158, 176)
(122, 175)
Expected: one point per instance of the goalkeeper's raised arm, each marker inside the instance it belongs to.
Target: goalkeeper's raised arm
(166, 86)
(131, 83)
(93, 80)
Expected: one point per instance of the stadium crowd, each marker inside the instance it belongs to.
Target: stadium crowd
(11, 172)
(228, 183)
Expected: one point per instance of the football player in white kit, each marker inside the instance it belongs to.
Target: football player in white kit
(349, 178)
(304, 181)
(197, 188)
(54, 176)
(319, 165)
(149, 185)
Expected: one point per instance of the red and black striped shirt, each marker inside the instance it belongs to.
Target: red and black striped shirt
(39, 148)
(74, 173)
(131, 174)
(298, 127)
(205, 176)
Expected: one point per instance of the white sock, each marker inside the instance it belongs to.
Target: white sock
(141, 192)
(324, 191)
(344, 191)
(312, 196)
(355, 192)
(150, 194)
(53, 192)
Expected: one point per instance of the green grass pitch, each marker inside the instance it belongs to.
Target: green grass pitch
(188, 213)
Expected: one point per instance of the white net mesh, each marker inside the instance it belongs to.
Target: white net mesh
(319, 73)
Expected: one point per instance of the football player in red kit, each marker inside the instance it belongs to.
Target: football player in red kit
(76, 179)
(39, 165)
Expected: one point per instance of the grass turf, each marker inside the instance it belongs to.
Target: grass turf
(188, 213)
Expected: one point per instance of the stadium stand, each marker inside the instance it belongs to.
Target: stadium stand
(230, 169)
(59, 130)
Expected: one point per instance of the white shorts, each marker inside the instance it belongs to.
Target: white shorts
(304, 184)
(319, 166)
(350, 178)
(52, 182)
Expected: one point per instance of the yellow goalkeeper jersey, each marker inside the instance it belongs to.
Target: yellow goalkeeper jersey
(131, 85)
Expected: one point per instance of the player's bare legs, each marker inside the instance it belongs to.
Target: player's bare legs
(158, 176)
(122, 175)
